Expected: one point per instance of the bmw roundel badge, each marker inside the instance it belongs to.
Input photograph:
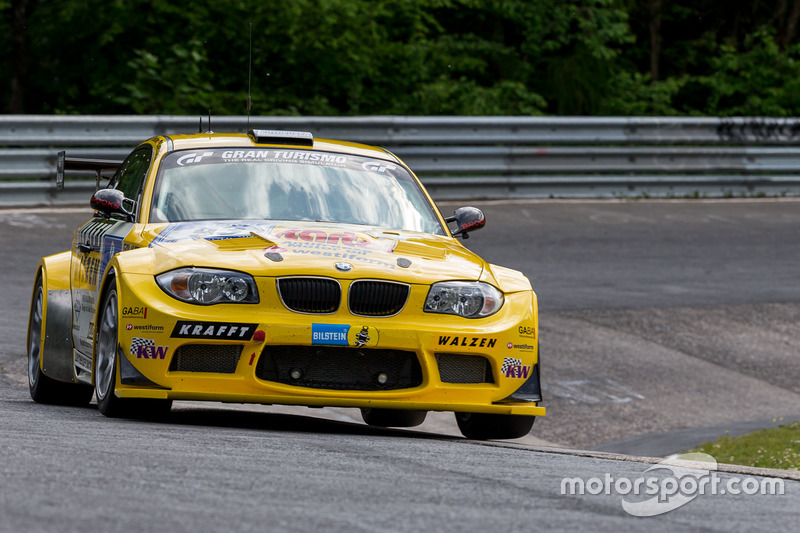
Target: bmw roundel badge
(343, 267)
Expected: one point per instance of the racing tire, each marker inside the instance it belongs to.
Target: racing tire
(106, 353)
(483, 426)
(393, 418)
(44, 389)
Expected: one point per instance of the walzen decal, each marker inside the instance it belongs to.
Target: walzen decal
(474, 342)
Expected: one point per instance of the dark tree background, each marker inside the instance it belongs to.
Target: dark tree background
(414, 57)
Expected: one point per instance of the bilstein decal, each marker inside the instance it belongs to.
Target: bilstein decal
(330, 334)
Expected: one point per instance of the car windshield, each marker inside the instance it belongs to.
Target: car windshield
(288, 184)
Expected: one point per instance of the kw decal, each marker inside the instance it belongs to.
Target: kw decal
(513, 368)
(147, 349)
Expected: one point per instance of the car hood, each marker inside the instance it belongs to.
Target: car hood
(312, 248)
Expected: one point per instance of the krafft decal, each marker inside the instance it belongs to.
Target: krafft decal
(213, 330)
(513, 368)
(475, 342)
(147, 349)
(330, 334)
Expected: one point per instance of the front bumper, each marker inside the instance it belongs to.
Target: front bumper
(227, 353)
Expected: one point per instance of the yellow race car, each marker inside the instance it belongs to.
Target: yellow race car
(275, 268)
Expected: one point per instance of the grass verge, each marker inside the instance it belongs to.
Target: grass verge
(768, 448)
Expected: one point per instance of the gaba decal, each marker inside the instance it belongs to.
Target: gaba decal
(213, 330)
(475, 342)
(134, 312)
(147, 349)
(513, 368)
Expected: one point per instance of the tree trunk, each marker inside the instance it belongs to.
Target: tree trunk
(19, 56)
(791, 23)
(655, 37)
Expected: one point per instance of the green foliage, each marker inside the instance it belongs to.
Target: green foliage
(759, 79)
(361, 57)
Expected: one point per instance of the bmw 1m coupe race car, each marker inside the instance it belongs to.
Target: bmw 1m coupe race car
(275, 268)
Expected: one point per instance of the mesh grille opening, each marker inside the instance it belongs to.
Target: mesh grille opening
(310, 295)
(457, 368)
(339, 368)
(377, 298)
(220, 359)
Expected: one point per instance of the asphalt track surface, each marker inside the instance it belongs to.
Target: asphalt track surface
(662, 322)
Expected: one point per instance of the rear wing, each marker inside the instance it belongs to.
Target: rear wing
(101, 167)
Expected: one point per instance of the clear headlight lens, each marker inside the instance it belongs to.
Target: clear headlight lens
(208, 286)
(470, 299)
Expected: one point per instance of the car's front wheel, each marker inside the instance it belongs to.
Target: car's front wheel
(105, 369)
(483, 426)
(393, 418)
(42, 388)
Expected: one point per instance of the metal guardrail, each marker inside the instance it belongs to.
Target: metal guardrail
(466, 157)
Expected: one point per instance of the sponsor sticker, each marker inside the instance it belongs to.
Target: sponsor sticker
(330, 334)
(527, 331)
(147, 349)
(213, 330)
(360, 336)
(473, 342)
(145, 327)
(523, 347)
(134, 312)
(513, 368)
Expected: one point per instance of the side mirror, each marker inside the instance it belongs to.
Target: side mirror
(468, 219)
(109, 202)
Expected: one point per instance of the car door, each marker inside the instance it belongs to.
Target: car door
(93, 246)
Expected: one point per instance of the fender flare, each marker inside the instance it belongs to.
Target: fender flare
(57, 356)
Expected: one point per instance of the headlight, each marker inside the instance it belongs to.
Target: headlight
(208, 286)
(470, 299)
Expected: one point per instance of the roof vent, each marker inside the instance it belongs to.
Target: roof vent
(298, 138)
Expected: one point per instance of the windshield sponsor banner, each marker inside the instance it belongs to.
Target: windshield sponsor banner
(185, 158)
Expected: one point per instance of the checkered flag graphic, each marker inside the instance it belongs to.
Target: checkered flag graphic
(510, 362)
(137, 341)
